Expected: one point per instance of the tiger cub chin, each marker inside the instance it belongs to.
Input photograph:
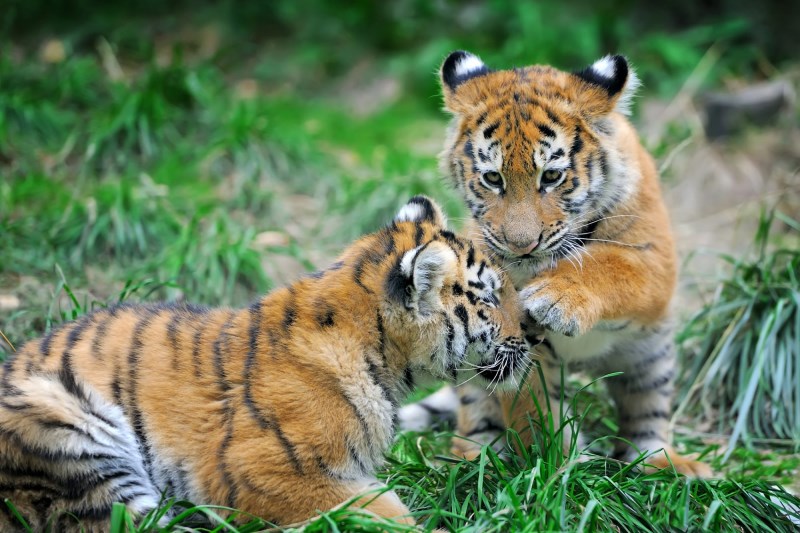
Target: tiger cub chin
(280, 410)
(563, 195)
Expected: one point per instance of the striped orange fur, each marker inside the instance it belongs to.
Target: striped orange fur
(281, 409)
(563, 195)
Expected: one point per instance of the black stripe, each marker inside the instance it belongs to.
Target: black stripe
(470, 256)
(474, 190)
(546, 131)
(451, 239)
(655, 384)
(381, 336)
(47, 341)
(172, 337)
(197, 345)
(356, 458)
(222, 467)
(552, 116)
(289, 312)
(468, 150)
(461, 313)
(60, 424)
(116, 386)
(487, 133)
(88, 513)
(388, 243)
(472, 297)
(288, 447)
(467, 399)
(646, 434)
(451, 336)
(419, 234)
(220, 350)
(251, 363)
(137, 420)
(577, 143)
(484, 426)
(325, 319)
(663, 352)
(408, 379)
(386, 390)
(370, 256)
(434, 411)
(658, 414)
(99, 337)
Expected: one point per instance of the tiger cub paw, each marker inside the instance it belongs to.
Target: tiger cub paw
(468, 454)
(683, 465)
(560, 305)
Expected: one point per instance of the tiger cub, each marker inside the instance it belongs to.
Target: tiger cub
(563, 195)
(280, 410)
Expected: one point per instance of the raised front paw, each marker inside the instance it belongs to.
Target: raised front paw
(559, 305)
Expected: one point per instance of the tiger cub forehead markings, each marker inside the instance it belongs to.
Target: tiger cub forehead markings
(485, 152)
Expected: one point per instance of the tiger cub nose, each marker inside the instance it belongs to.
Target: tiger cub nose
(524, 247)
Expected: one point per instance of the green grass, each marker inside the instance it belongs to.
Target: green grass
(536, 490)
(741, 351)
(165, 183)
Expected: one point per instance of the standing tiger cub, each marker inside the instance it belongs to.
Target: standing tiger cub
(279, 410)
(563, 195)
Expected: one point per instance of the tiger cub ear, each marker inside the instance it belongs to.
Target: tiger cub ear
(459, 67)
(422, 209)
(610, 84)
(425, 269)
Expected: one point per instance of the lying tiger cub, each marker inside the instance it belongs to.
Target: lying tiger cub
(279, 410)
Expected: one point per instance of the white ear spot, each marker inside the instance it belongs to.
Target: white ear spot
(421, 209)
(467, 64)
(605, 67)
(410, 213)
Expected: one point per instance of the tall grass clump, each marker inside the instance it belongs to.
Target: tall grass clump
(741, 351)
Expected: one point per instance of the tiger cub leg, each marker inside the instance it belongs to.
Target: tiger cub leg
(479, 422)
(643, 397)
(435, 410)
(67, 455)
(477, 415)
(539, 410)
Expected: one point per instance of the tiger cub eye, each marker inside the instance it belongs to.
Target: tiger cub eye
(551, 176)
(493, 179)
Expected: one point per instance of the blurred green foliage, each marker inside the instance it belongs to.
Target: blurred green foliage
(324, 38)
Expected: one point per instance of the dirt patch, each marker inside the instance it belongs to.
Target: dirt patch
(715, 191)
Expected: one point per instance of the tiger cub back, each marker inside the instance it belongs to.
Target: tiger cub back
(279, 410)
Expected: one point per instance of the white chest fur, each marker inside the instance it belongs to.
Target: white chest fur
(598, 342)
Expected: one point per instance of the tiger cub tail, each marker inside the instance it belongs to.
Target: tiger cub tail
(58, 437)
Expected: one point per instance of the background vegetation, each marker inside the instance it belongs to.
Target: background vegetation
(211, 150)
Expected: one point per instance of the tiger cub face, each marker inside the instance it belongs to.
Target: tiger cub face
(531, 151)
(462, 302)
